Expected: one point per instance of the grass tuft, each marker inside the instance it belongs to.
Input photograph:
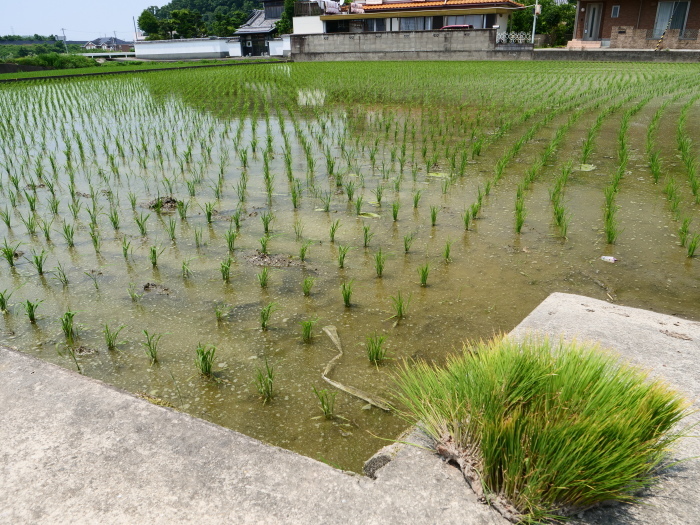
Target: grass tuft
(560, 425)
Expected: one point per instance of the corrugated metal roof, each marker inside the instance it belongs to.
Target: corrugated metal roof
(421, 5)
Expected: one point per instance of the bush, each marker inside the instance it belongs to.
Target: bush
(549, 427)
(56, 61)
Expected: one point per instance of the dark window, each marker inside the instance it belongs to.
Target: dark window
(437, 22)
(337, 26)
(490, 20)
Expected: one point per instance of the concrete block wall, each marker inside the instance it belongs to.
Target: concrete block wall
(394, 45)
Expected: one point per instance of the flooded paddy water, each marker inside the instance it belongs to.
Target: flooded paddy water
(141, 202)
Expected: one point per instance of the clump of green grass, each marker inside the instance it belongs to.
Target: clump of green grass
(30, 308)
(303, 249)
(342, 252)
(205, 359)
(693, 245)
(433, 214)
(400, 305)
(264, 382)
(560, 425)
(226, 269)
(367, 235)
(264, 277)
(327, 401)
(334, 228)
(376, 353)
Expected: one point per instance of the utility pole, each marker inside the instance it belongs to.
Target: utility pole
(534, 21)
(65, 45)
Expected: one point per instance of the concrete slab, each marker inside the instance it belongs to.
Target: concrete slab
(73, 449)
(667, 346)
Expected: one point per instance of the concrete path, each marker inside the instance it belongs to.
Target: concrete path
(75, 450)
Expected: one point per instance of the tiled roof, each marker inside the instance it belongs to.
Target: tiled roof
(257, 23)
(451, 3)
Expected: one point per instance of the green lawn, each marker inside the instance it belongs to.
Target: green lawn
(111, 67)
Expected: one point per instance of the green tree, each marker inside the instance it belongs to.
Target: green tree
(148, 23)
(557, 21)
(187, 24)
(284, 26)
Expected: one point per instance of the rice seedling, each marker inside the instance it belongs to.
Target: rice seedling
(93, 275)
(358, 205)
(379, 262)
(374, 346)
(395, 210)
(62, 349)
(303, 249)
(38, 260)
(307, 329)
(693, 245)
(151, 345)
(342, 252)
(366, 235)
(266, 313)
(198, 242)
(67, 325)
(416, 198)
(423, 272)
(225, 268)
(131, 289)
(264, 382)
(326, 400)
(264, 240)
(400, 305)
(170, 229)
(221, 311)
(204, 361)
(264, 277)
(9, 252)
(182, 207)
(378, 193)
(433, 214)
(112, 336)
(5, 301)
(30, 222)
(408, 241)
(30, 309)
(126, 247)
(447, 250)
(590, 420)
(75, 208)
(346, 292)
(350, 190)
(334, 228)
(307, 284)
(267, 218)
(298, 229)
(154, 252)
(683, 231)
(141, 223)
(6, 217)
(231, 235)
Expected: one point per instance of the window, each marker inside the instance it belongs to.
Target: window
(670, 15)
(615, 11)
(375, 24)
(412, 24)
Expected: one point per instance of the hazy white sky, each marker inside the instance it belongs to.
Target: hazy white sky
(82, 20)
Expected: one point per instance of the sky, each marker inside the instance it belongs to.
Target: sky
(82, 20)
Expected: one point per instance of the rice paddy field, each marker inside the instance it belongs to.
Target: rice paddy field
(187, 235)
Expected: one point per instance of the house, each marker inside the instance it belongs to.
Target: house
(255, 35)
(366, 16)
(108, 44)
(636, 24)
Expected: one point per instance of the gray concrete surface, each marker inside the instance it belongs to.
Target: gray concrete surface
(669, 348)
(73, 449)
